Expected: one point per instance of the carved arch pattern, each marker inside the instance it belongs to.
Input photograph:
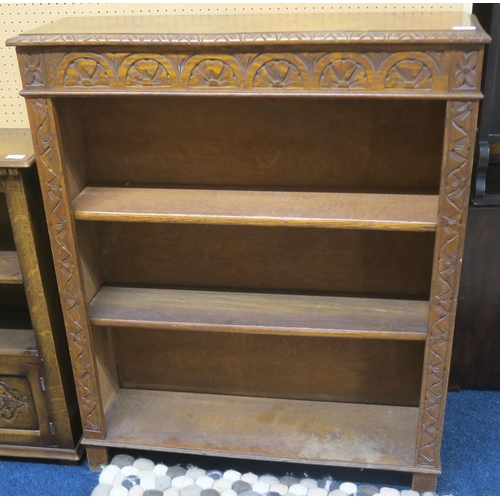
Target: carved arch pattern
(377, 71)
(409, 74)
(344, 73)
(59, 219)
(147, 70)
(148, 73)
(278, 73)
(86, 72)
(449, 239)
(10, 403)
(213, 73)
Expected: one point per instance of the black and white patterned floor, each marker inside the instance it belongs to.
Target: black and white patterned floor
(126, 476)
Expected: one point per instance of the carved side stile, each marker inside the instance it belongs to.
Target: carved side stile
(61, 229)
(453, 203)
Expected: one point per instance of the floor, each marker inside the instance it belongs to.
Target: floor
(470, 456)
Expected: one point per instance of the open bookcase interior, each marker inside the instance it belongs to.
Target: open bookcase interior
(327, 144)
(198, 253)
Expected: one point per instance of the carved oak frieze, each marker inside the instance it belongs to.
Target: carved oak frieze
(409, 74)
(86, 72)
(213, 73)
(344, 74)
(378, 71)
(148, 73)
(278, 74)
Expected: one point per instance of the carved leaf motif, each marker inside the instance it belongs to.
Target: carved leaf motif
(278, 74)
(87, 73)
(58, 214)
(344, 73)
(148, 73)
(443, 303)
(213, 73)
(409, 74)
(33, 75)
(465, 70)
(10, 403)
(475, 36)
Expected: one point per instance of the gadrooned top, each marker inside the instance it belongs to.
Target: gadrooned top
(259, 29)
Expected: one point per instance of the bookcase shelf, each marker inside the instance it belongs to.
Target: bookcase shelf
(263, 428)
(10, 272)
(258, 235)
(276, 208)
(258, 313)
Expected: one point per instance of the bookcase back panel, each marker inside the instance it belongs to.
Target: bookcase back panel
(13, 297)
(5, 227)
(278, 142)
(274, 258)
(334, 369)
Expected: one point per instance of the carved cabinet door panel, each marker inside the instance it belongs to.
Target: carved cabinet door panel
(23, 415)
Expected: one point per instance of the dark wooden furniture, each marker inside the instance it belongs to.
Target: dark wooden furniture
(487, 165)
(475, 353)
(477, 339)
(38, 408)
(257, 224)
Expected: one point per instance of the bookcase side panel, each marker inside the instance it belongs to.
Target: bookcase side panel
(61, 231)
(461, 118)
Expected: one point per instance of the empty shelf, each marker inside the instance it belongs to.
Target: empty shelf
(16, 336)
(263, 428)
(260, 313)
(10, 272)
(409, 212)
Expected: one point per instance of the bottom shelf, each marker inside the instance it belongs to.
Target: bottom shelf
(17, 339)
(341, 434)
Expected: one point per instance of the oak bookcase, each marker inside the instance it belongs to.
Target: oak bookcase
(257, 224)
(38, 409)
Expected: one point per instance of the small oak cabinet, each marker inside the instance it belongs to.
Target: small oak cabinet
(257, 224)
(38, 408)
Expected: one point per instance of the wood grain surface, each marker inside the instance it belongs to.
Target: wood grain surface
(263, 428)
(17, 342)
(261, 258)
(260, 313)
(310, 144)
(350, 370)
(335, 210)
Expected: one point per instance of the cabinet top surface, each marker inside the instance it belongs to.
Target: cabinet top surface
(16, 148)
(421, 27)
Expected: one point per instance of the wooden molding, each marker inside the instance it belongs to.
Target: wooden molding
(454, 198)
(70, 287)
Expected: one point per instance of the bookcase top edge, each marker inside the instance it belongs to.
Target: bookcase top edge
(260, 29)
